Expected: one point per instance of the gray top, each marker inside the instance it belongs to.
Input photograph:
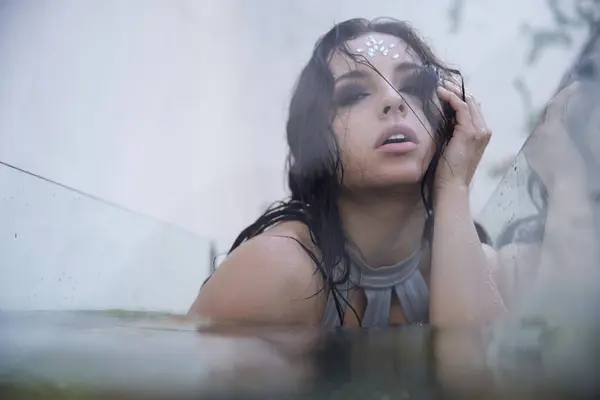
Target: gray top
(404, 279)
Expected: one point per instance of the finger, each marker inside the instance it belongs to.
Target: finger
(463, 116)
(476, 115)
(477, 118)
(456, 89)
(458, 82)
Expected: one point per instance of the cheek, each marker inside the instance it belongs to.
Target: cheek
(429, 153)
(427, 136)
(350, 136)
(431, 136)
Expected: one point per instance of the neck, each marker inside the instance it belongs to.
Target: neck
(386, 228)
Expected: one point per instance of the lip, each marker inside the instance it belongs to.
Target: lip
(396, 129)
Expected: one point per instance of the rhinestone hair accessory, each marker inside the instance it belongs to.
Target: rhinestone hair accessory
(375, 46)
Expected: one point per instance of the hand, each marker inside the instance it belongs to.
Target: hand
(470, 138)
(549, 150)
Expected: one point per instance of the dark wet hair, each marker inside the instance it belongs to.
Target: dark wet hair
(314, 168)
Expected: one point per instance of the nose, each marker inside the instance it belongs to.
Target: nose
(392, 105)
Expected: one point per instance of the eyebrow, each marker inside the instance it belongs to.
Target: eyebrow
(358, 74)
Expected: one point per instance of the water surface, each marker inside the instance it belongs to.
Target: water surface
(120, 354)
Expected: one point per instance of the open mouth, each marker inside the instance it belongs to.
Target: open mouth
(397, 138)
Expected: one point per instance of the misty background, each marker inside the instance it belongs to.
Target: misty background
(168, 119)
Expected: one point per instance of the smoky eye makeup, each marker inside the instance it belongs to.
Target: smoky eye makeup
(349, 93)
(420, 83)
(408, 85)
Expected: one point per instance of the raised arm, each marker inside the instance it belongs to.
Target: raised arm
(463, 288)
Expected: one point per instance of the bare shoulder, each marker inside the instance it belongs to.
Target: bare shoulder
(268, 279)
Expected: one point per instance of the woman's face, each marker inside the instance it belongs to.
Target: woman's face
(385, 140)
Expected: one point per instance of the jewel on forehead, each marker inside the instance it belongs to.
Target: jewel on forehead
(375, 46)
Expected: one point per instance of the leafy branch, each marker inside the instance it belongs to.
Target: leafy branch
(455, 14)
(568, 16)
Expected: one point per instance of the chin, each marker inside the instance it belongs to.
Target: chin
(382, 176)
(388, 180)
(401, 175)
(400, 181)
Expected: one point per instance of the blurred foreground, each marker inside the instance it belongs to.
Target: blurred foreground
(116, 354)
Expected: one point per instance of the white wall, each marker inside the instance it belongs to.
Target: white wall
(176, 109)
(136, 102)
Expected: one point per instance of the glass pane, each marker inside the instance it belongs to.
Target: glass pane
(61, 249)
(544, 218)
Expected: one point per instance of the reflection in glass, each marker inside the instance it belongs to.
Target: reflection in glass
(62, 249)
(545, 220)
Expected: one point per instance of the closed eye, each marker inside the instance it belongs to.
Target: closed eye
(420, 85)
(350, 95)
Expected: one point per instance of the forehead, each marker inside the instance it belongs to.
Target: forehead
(383, 51)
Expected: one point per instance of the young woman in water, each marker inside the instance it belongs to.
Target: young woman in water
(384, 142)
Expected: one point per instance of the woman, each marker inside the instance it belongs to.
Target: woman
(383, 145)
